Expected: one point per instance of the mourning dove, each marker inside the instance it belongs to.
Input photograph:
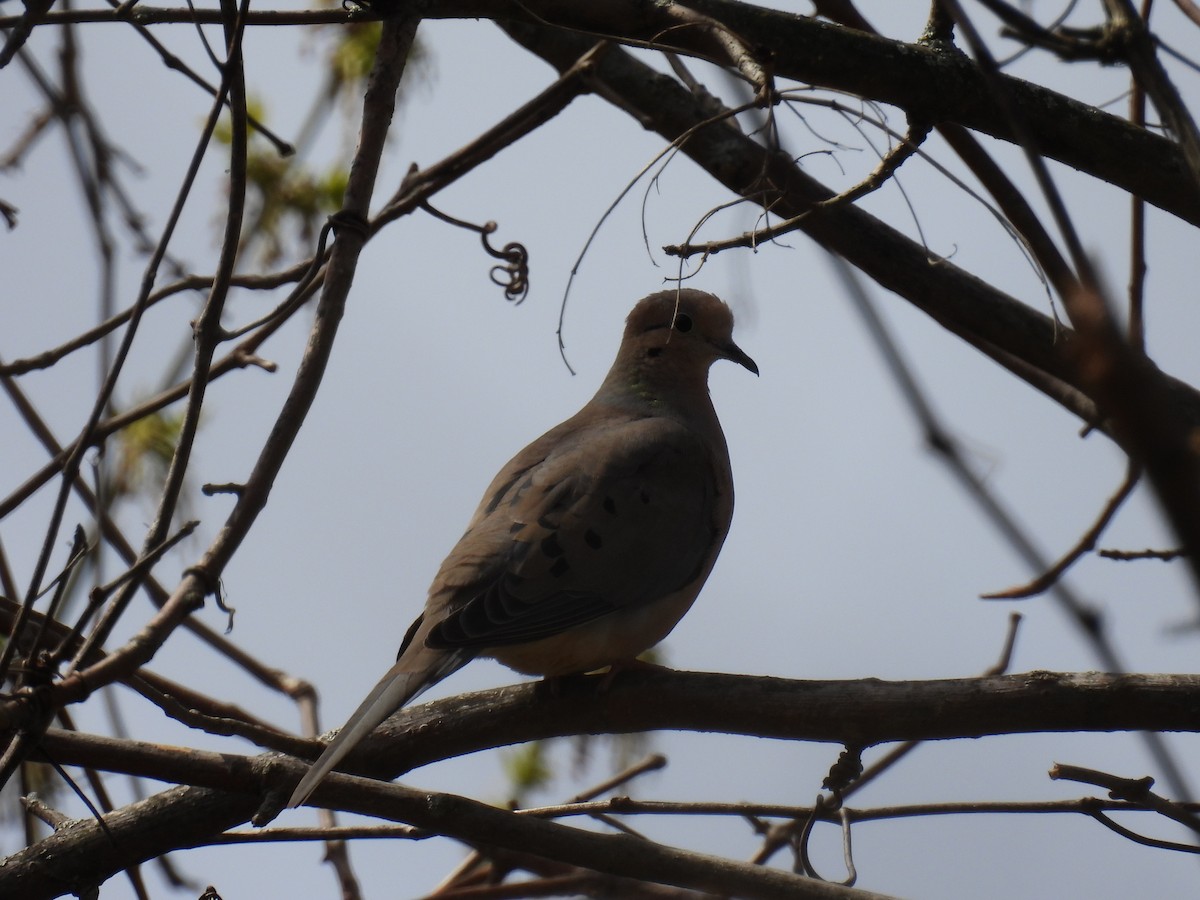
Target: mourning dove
(591, 544)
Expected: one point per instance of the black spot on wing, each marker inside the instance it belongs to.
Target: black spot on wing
(501, 491)
(520, 491)
(551, 547)
(592, 539)
(610, 506)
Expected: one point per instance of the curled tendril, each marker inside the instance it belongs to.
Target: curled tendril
(513, 275)
(824, 809)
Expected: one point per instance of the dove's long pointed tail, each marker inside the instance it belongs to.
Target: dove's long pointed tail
(407, 679)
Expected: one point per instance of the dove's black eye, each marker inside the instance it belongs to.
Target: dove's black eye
(683, 322)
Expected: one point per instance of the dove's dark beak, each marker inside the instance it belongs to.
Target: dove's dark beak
(736, 354)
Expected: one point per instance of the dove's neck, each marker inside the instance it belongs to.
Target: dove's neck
(652, 386)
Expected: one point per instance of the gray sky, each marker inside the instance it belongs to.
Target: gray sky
(852, 552)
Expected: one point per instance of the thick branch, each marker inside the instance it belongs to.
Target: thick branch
(930, 85)
(231, 788)
(80, 854)
(961, 302)
(860, 712)
(939, 86)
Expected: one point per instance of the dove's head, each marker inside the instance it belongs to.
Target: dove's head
(679, 334)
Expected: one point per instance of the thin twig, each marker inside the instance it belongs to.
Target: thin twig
(908, 145)
(470, 868)
(48, 358)
(1133, 790)
(207, 330)
(1128, 555)
(1085, 544)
